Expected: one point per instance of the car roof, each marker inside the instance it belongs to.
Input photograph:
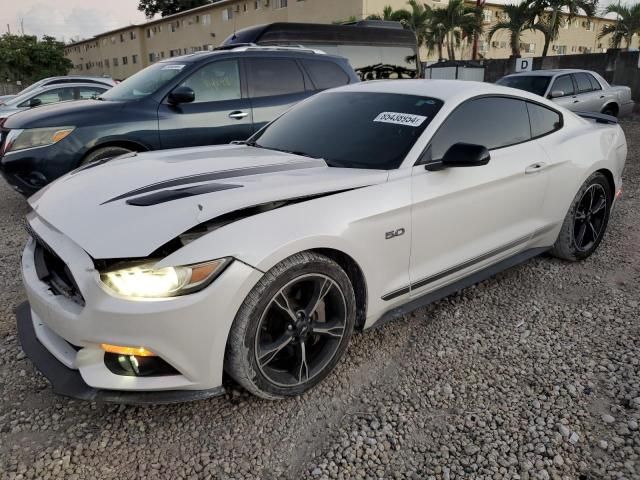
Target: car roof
(550, 72)
(248, 49)
(446, 90)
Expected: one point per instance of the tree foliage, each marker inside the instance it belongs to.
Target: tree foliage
(25, 58)
(518, 18)
(168, 7)
(437, 27)
(554, 13)
(627, 24)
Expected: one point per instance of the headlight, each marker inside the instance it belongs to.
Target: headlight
(145, 281)
(35, 137)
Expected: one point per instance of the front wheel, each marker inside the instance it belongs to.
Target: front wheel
(586, 221)
(293, 327)
(104, 153)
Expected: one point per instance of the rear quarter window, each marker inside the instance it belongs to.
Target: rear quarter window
(543, 120)
(325, 74)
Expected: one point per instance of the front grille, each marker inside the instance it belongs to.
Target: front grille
(52, 270)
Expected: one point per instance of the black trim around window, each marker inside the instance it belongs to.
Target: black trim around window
(421, 158)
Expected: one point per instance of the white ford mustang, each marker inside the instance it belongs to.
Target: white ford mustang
(149, 276)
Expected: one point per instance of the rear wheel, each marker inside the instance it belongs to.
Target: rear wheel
(105, 153)
(610, 110)
(586, 221)
(293, 327)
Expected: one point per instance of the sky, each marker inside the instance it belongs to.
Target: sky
(68, 19)
(72, 19)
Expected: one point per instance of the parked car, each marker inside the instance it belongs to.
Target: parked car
(50, 94)
(150, 275)
(108, 81)
(376, 49)
(201, 99)
(577, 90)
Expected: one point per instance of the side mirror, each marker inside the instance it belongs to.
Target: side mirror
(461, 155)
(556, 94)
(35, 102)
(181, 94)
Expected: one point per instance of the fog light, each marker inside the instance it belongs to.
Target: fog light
(135, 351)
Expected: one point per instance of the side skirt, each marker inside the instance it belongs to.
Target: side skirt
(447, 290)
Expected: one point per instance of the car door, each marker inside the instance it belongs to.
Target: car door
(274, 84)
(589, 100)
(466, 218)
(220, 112)
(569, 98)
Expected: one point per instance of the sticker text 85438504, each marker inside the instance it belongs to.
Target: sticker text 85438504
(400, 119)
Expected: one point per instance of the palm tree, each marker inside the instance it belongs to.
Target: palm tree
(519, 18)
(389, 14)
(454, 23)
(415, 19)
(626, 26)
(552, 14)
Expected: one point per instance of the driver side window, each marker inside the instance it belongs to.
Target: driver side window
(564, 84)
(493, 122)
(51, 96)
(216, 82)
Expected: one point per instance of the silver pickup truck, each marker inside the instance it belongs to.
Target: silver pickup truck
(577, 90)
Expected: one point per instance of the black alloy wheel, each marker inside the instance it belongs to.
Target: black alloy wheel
(293, 327)
(586, 221)
(301, 330)
(590, 217)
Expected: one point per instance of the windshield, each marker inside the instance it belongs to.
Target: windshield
(532, 83)
(352, 129)
(144, 83)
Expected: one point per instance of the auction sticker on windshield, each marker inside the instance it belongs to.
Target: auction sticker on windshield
(173, 66)
(400, 119)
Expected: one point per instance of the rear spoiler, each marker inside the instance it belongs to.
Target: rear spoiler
(598, 117)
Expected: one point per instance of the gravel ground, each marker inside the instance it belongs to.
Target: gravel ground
(534, 374)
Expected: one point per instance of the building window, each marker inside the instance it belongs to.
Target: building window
(152, 57)
(121, 37)
(113, 39)
(486, 15)
(560, 49)
(206, 19)
(134, 59)
(106, 62)
(227, 14)
(280, 4)
(125, 60)
(256, 4)
(115, 62)
(149, 33)
(132, 35)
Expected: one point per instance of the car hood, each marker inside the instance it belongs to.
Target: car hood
(61, 114)
(130, 206)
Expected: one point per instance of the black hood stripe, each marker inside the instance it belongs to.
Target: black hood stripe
(224, 174)
(163, 196)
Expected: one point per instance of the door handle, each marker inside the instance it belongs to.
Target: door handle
(576, 101)
(601, 96)
(535, 168)
(238, 114)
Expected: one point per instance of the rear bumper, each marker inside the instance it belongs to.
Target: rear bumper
(69, 383)
(626, 109)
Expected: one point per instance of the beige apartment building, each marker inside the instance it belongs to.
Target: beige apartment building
(122, 52)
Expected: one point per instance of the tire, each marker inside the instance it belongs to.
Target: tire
(570, 245)
(610, 110)
(104, 153)
(273, 376)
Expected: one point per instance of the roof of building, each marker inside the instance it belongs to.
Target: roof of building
(222, 2)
